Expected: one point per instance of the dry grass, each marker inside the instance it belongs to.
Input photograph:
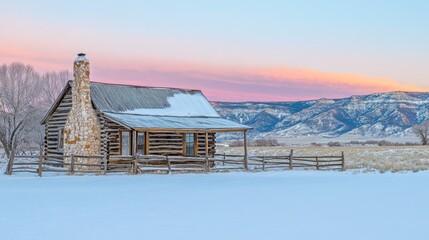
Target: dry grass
(367, 158)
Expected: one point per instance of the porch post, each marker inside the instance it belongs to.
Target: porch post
(134, 143)
(207, 144)
(146, 143)
(246, 164)
(135, 157)
(207, 152)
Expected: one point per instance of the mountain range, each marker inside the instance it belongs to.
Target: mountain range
(376, 115)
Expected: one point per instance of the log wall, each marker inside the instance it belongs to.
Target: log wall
(165, 143)
(202, 144)
(172, 144)
(54, 124)
(112, 130)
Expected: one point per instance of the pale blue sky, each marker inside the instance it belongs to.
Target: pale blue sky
(378, 39)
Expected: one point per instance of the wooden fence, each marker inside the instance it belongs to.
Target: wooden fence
(290, 162)
(171, 164)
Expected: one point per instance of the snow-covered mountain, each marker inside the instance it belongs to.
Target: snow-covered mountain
(376, 115)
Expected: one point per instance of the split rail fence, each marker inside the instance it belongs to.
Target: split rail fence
(172, 164)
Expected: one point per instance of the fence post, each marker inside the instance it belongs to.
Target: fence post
(40, 164)
(317, 163)
(263, 163)
(168, 164)
(207, 164)
(290, 159)
(342, 161)
(224, 158)
(71, 164)
(135, 165)
(245, 159)
(105, 163)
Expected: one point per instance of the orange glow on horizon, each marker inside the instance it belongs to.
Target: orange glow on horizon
(352, 80)
(217, 82)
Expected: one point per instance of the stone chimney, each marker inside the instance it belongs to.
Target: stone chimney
(82, 128)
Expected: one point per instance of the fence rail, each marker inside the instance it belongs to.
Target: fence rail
(101, 164)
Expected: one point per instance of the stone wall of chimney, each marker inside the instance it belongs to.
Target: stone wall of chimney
(82, 128)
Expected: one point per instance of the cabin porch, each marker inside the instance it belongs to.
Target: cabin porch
(169, 142)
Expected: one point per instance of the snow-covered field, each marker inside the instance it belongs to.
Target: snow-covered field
(269, 205)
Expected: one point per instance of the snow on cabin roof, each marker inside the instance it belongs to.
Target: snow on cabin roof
(174, 122)
(151, 101)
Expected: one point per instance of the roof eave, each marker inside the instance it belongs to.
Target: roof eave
(193, 130)
(116, 121)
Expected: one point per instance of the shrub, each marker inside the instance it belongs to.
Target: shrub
(265, 142)
(370, 142)
(385, 143)
(334, 144)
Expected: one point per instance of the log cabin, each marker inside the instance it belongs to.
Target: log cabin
(92, 118)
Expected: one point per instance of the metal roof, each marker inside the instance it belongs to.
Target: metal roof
(154, 108)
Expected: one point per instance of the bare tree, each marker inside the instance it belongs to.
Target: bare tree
(422, 131)
(19, 102)
(25, 96)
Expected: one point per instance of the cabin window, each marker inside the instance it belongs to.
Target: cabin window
(60, 139)
(125, 143)
(140, 143)
(190, 144)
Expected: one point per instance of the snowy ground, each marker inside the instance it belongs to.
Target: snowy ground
(269, 205)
